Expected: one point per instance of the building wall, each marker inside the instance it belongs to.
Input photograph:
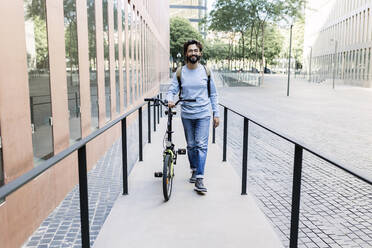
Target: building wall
(193, 10)
(53, 93)
(338, 41)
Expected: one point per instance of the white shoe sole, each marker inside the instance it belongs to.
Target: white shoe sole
(200, 190)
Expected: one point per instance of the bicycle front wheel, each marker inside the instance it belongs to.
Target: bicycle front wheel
(167, 177)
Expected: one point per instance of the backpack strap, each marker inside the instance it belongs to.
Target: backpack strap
(178, 75)
(209, 79)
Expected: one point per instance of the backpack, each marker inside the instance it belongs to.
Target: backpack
(178, 74)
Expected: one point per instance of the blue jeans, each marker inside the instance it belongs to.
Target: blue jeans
(196, 133)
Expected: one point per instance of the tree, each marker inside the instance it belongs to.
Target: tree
(233, 16)
(241, 16)
(180, 32)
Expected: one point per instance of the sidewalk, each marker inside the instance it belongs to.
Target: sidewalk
(220, 218)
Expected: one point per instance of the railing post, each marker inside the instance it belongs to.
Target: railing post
(149, 122)
(76, 105)
(140, 155)
(161, 106)
(84, 205)
(32, 110)
(124, 154)
(154, 110)
(245, 157)
(158, 109)
(224, 133)
(296, 193)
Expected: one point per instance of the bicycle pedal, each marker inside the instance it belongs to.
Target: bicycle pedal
(181, 151)
(158, 174)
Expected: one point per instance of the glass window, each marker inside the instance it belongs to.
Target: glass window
(93, 63)
(72, 69)
(137, 55)
(142, 56)
(116, 40)
(106, 48)
(124, 53)
(39, 79)
(134, 57)
(130, 29)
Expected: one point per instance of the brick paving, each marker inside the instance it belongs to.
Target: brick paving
(335, 206)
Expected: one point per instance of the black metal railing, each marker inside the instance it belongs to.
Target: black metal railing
(80, 147)
(297, 169)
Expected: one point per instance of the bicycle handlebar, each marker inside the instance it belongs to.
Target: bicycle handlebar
(165, 102)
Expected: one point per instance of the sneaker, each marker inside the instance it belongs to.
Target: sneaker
(199, 185)
(193, 177)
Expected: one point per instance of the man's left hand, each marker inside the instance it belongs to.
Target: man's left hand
(216, 122)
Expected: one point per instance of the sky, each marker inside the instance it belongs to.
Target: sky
(210, 4)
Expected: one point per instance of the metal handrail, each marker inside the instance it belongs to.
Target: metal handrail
(297, 168)
(80, 147)
(305, 147)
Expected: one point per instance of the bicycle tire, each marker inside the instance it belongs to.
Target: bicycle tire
(167, 177)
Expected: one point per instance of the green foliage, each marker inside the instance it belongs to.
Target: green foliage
(273, 44)
(35, 13)
(180, 32)
(41, 43)
(71, 44)
(216, 51)
(255, 22)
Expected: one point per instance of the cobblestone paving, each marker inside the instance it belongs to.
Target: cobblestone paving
(62, 227)
(335, 207)
(336, 123)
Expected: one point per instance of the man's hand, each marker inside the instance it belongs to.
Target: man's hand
(216, 122)
(171, 104)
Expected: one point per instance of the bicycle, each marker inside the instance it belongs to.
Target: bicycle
(169, 153)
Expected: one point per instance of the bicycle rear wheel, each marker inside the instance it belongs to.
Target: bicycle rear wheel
(167, 177)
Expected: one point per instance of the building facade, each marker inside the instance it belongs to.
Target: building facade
(338, 41)
(193, 10)
(69, 67)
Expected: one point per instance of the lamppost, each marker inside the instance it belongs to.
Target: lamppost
(289, 59)
(334, 62)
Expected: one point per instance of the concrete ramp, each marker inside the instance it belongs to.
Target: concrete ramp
(220, 218)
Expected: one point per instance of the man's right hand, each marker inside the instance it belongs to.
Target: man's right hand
(171, 104)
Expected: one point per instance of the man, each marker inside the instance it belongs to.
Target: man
(195, 115)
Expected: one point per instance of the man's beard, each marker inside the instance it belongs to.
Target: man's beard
(193, 59)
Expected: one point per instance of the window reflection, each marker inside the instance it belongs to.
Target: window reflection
(124, 52)
(116, 39)
(72, 68)
(38, 79)
(134, 57)
(92, 63)
(140, 73)
(130, 40)
(106, 59)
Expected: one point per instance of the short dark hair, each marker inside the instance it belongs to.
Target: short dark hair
(192, 42)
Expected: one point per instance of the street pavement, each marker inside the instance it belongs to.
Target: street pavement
(335, 207)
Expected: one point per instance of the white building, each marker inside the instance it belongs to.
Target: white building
(338, 41)
(193, 10)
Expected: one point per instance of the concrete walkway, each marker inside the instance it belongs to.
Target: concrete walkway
(220, 218)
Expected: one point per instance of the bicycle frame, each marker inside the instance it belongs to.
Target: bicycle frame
(169, 153)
